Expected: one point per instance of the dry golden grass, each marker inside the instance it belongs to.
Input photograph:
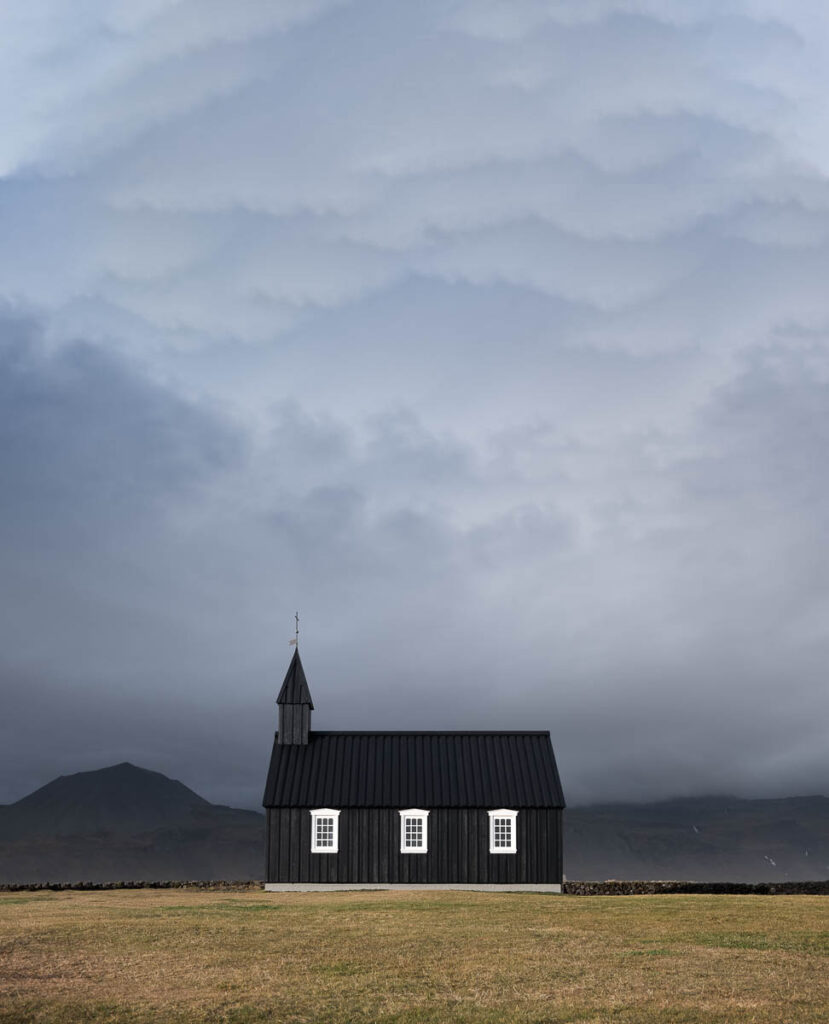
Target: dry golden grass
(131, 957)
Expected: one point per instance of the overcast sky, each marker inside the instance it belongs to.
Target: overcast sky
(492, 336)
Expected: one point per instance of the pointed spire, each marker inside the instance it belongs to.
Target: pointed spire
(295, 705)
(295, 687)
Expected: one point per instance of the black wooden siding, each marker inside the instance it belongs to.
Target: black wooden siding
(458, 848)
(294, 723)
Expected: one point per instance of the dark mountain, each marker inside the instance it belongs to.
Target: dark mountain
(705, 838)
(123, 799)
(126, 822)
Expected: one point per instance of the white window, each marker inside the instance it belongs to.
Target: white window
(414, 831)
(502, 831)
(325, 830)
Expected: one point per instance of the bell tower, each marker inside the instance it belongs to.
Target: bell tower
(295, 705)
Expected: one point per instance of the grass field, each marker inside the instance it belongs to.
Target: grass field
(245, 958)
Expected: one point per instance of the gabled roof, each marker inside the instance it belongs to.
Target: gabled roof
(295, 687)
(415, 769)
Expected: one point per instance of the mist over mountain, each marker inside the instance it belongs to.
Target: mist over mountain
(128, 823)
(717, 838)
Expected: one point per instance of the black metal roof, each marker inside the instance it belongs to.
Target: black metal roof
(295, 687)
(415, 769)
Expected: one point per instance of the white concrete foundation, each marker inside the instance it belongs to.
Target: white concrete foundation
(348, 886)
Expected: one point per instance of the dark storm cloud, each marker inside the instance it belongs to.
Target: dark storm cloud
(491, 336)
(442, 618)
(95, 459)
(87, 444)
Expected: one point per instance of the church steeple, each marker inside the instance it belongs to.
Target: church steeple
(295, 705)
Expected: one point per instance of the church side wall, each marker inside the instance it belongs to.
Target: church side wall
(458, 848)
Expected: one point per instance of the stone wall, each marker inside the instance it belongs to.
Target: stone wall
(215, 886)
(611, 888)
(617, 888)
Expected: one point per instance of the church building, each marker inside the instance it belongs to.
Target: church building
(447, 810)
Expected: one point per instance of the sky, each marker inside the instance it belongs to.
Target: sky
(490, 335)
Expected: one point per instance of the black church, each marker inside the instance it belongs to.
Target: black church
(479, 810)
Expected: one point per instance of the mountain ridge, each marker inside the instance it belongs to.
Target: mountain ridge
(123, 799)
(126, 822)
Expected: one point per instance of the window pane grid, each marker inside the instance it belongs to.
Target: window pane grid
(503, 833)
(413, 833)
(325, 832)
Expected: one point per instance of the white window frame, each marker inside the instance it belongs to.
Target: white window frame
(414, 812)
(503, 812)
(325, 812)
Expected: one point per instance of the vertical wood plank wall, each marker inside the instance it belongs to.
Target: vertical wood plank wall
(458, 848)
(294, 723)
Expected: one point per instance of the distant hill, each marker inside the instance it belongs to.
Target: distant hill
(122, 799)
(127, 823)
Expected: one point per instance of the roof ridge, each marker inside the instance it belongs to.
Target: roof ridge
(430, 732)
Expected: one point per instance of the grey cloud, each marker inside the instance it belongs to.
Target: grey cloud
(491, 337)
(88, 443)
(98, 465)
(245, 215)
(622, 619)
(93, 92)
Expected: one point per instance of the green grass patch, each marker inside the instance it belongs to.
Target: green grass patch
(339, 970)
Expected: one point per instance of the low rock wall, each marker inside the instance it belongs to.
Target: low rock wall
(610, 888)
(215, 886)
(618, 888)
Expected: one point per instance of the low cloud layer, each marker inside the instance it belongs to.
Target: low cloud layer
(491, 336)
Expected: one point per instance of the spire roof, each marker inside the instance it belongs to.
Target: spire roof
(295, 688)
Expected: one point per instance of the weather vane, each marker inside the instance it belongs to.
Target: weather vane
(295, 641)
